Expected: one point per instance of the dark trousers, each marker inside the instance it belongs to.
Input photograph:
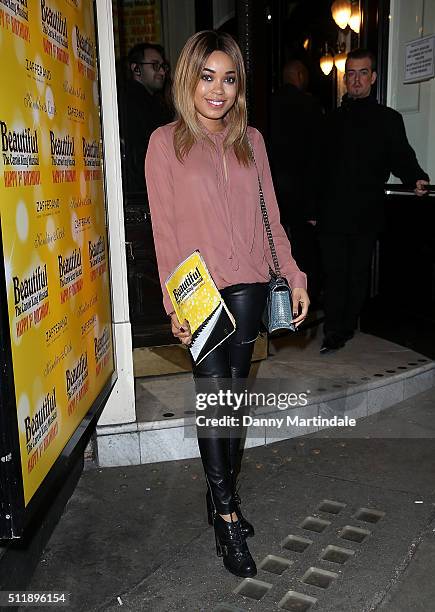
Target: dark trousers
(305, 250)
(346, 262)
(226, 367)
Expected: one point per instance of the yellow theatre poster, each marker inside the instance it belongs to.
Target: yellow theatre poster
(53, 223)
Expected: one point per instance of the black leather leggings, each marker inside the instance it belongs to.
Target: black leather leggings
(225, 366)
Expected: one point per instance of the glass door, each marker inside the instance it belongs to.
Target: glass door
(402, 307)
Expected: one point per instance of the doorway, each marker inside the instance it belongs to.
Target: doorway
(402, 303)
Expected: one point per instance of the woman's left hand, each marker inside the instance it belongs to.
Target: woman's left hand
(301, 301)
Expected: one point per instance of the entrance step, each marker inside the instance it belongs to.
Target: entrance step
(365, 377)
(174, 358)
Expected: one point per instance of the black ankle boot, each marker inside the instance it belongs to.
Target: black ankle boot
(245, 526)
(231, 545)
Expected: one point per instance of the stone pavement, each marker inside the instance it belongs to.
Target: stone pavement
(344, 523)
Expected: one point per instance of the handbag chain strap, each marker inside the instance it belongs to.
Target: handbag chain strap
(266, 222)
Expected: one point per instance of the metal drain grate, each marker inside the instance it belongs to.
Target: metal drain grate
(369, 515)
(296, 602)
(330, 506)
(254, 589)
(354, 534)
(296, 544)
(274, 564)
(311, 523)
(336, 554)
(319, 577)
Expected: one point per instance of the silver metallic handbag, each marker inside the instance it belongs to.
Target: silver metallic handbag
(278, 313)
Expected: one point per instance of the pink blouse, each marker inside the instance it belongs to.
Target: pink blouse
(206, 204)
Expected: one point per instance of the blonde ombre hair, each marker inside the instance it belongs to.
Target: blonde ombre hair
(188, 72)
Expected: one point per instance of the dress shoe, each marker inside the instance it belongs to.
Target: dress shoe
(231, 545)
(332, 343)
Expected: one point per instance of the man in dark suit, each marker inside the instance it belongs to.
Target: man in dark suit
(142, 108)
(366, 141)
(295, 122)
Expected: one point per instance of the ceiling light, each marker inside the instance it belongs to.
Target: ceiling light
(341, 11)
(355, 18)
(326, 63)
(340, 61)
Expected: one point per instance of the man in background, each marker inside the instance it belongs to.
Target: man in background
(295, 125)
(142, 109)
(366, 141)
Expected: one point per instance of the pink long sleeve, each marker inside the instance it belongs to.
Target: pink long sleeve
(162, 202)
(206, 205)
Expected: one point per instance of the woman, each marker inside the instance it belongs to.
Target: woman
(203, 194)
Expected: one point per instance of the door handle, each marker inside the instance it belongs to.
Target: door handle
(392, 189)
(129, 246)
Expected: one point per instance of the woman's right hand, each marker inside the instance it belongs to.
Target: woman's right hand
(181, 331)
